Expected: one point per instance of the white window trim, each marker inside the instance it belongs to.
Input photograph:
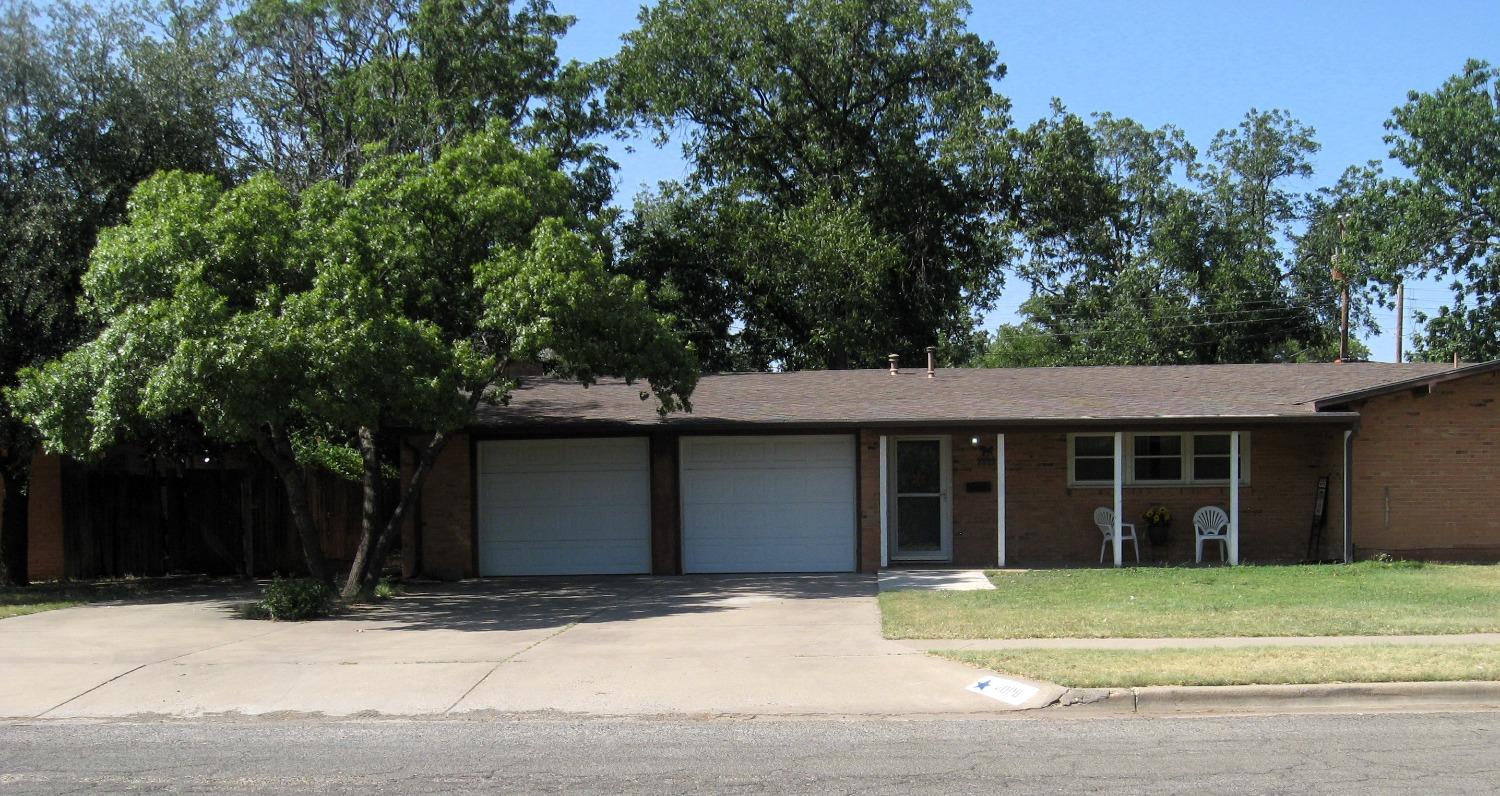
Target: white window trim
(1073, 458)
(1187, 460)
(1244, 459)
(945, 496)
(1184, 456)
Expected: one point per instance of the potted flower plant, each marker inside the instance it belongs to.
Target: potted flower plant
(1158, 521)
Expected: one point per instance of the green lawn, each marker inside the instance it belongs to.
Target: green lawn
(1369, 598)
(22, 600)
(1373, 663)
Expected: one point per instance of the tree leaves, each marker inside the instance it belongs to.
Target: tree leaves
(1140, 252)
(1444, 218)
(878, 116)
(384, 304)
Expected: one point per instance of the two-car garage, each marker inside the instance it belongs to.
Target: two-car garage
(755, 503)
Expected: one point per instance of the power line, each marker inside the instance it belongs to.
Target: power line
(1109, 331)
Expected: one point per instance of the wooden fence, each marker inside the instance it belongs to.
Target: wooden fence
(121, 520)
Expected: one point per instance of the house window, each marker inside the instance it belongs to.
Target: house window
(1157, 459)
(1211, 458)
(1093, 459)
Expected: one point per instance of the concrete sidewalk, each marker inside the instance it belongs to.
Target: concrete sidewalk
(1196, 643)
(745, 645)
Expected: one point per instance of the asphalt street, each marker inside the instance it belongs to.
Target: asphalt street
(1381, 753)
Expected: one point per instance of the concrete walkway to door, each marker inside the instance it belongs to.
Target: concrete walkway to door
(701, 645)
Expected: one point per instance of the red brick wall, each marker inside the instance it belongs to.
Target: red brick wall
(44, 553)
(447, 533)
(666, 534)
(1048, 522)
(869, 501)
(1427, 472)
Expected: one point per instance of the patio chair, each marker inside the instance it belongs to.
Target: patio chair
(1211, 524)
(1105, 519)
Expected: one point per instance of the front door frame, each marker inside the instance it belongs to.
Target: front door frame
(945, 460)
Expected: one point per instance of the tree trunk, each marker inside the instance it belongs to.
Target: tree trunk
(277, 448)
(408, 497)
(15, 518)
(392, 527)
(370, 514)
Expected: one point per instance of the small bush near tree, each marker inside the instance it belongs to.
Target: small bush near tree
(295, 600)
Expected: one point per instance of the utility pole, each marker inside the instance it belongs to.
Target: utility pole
(1400, 315)
(1338, 274)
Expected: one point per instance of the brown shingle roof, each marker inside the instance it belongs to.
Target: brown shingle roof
(998, 395)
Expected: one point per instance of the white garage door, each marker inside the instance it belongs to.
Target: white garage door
(768, 504)
(564, 507)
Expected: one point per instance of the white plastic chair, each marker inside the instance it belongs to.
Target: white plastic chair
(1211, 524)
(1105, 519)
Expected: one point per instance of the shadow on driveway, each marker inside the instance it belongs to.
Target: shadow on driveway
(541, 603)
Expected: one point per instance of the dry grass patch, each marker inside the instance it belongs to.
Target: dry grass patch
(1374, 663)
(1369, 598)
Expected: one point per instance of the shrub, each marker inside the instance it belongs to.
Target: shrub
(387, 588)
(295, 599)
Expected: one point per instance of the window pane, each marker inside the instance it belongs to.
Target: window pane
(1094, 446)
(1211, 444)
(1158, 445)
(1211, 468)
(1094, 469)
(918, 465)
(1158, 469)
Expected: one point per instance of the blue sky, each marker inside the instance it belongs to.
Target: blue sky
(1337, 65)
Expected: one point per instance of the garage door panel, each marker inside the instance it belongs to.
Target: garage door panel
(768, 504)
(536, 456)
(528, 559)
(564, 507)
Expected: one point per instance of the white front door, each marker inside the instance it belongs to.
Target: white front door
(921, 511)
(768, 503)
(564, 506)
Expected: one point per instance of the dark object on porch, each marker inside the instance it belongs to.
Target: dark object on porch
(977, 486)
(1319, 522)
(1158, 525)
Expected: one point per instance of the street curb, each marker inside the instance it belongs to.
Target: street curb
(1323, 697)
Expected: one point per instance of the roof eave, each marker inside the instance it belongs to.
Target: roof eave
(1429, 381)
(703, 425)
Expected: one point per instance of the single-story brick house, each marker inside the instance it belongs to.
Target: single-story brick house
(857, 470)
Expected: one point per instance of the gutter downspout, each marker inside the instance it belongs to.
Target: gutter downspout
(1348, 496)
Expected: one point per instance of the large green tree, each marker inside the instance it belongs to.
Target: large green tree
(1140, 251)
(871, 125)
(328, 84)
(92, 100)
(298, 321)
(1441, 217)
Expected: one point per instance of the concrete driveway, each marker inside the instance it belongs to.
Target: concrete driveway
(742, 645)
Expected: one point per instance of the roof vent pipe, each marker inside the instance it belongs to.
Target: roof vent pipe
(895, 366)
(931, 361)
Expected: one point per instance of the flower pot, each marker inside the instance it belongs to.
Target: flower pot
(1159, 534)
